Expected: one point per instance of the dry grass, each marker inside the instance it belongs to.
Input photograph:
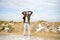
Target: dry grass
(18, 29)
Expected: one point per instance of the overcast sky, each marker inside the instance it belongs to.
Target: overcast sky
(42, 9)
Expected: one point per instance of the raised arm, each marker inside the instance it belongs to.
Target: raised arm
(23, 12)
(30, 12)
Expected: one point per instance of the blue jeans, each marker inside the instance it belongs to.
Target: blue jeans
(26, 25)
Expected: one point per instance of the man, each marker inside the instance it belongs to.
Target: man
(26, 20)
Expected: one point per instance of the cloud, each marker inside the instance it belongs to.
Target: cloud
(36, 17)
(22, 4)
(11, 16)
(42, 9)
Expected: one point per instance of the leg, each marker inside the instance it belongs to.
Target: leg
(28, 29)
(24, 28)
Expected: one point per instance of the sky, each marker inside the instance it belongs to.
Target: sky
(48, 10)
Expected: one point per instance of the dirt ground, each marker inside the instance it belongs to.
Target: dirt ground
(14, 36)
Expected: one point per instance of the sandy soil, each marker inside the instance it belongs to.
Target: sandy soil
(14, 36)
(18, 37)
